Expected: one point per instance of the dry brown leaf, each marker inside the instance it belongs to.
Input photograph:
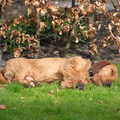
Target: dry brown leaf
(5, 47)
(104, 45)
(36, 3)
(49, 94)
(77, 40)
(95, 40)
(17, 54)
(42, 25)
(82, 27)
(53, 8)
(16, 21)
(73, 32)
(3, 5)
(3, 86)
(18, 39)
(65, 40)
(29, 11)
(51, 91)
(21, 49)
(22, 98)
(99, 26)
(110, 27)
(2, 107)
(43, 12)
(52, 96)
(53, 24)
(27, 22)
(60, 32)
(80, 1)
(42, 87)
(56, 52)
(56, 101)
(22, 17)
(91, 8)
(90, 99)
(58, 90)
(101, 101)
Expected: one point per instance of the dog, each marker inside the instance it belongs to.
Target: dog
(72, 72)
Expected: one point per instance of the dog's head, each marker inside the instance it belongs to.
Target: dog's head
(104, 73)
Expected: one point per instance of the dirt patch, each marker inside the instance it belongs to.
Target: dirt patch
(57, 50)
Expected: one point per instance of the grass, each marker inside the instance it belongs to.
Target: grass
(95, 103)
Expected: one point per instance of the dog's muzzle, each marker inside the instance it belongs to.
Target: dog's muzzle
(80, 86)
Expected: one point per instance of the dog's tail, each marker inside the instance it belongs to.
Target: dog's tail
(2, 79)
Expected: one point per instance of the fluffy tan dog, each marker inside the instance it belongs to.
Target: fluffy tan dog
(73, 72)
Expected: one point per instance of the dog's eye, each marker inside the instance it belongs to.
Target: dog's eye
(112, 71)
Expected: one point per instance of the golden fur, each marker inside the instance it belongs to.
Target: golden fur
(68, 71)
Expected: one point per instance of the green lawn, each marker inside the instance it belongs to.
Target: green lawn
(95, 103)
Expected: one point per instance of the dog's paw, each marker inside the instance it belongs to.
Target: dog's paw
(80, 86)
(36, 83)
(31, 84)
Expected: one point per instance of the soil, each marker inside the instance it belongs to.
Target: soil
(56, 50)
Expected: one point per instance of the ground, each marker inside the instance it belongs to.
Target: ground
(56, 50)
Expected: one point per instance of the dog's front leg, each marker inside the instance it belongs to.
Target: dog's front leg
(66, 84)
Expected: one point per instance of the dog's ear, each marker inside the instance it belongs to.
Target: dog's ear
(99, 65)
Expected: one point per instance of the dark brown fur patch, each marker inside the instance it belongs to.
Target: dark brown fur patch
(98, 66)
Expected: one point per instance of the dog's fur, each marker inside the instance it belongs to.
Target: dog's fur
(70, 72)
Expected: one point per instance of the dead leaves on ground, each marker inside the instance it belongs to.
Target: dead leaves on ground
(98, 100)
(51, 93)
(2, 107)
(3, 86)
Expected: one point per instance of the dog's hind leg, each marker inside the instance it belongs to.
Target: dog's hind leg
(28, 81)
(2, 79)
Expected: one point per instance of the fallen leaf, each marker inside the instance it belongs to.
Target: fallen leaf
(22, 98)
(2, 107)
(56, 101)
(118, 55)
(51, 91)
(99, 26)
(42, 88)
(56, 52)
(101, 101)
(77, 40)
(58, 90)
(48, 94)
(14, 108)
(3, 86)
(51, 95)
(90, 99)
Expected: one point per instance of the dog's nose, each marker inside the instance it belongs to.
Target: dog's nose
(80, 86)
(77, 85)
(108, 84)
